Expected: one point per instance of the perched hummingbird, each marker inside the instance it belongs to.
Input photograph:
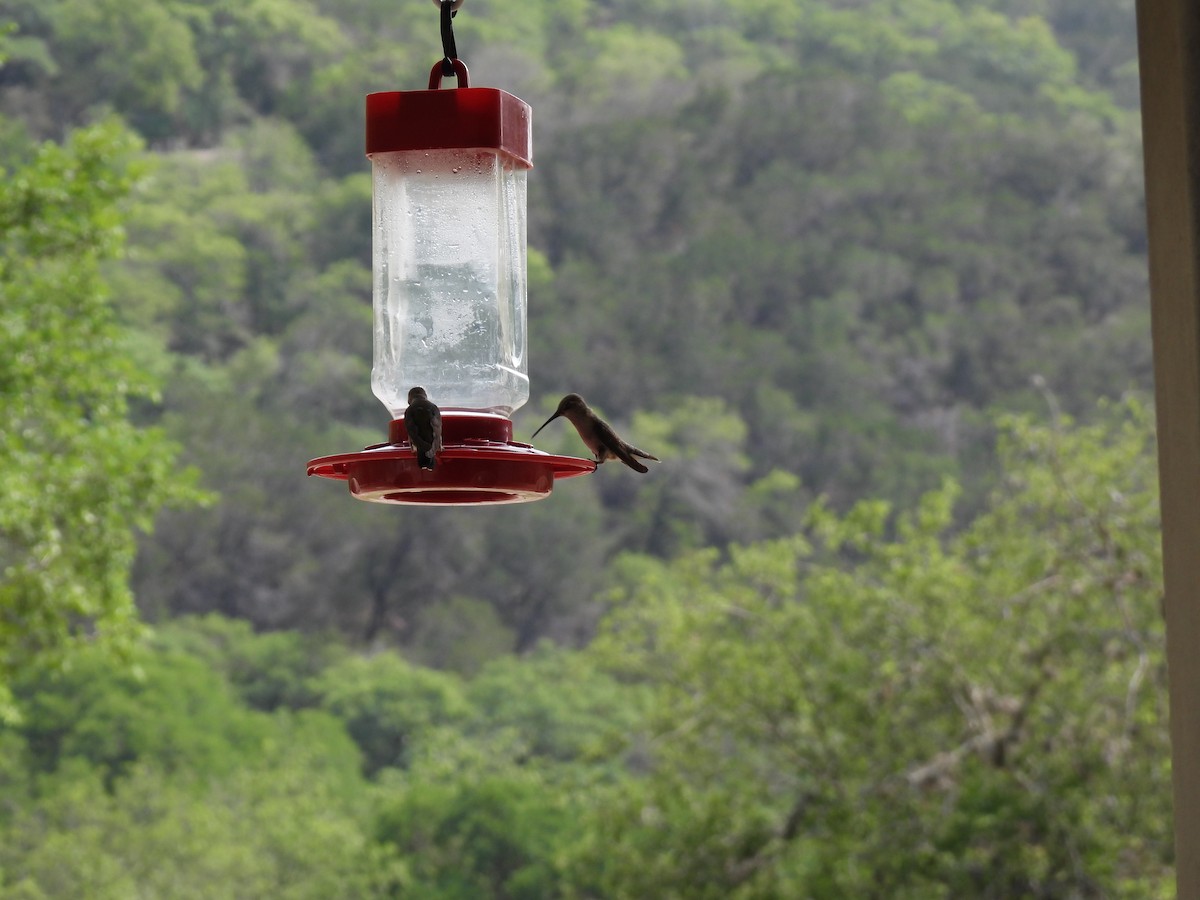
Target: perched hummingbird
(423, 422)
(597, 434)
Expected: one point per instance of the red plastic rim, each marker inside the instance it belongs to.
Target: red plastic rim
(479, 463)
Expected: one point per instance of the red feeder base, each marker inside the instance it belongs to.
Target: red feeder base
(479, 463)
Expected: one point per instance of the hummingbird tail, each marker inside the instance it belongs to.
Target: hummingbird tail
(624, 453)
(643, 454)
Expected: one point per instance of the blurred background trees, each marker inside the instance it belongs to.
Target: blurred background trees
(868, 276)
(853, 710)
(824, 238)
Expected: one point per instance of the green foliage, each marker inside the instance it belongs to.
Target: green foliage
(143, 60)
(217, 238)
(173, 710)
(850, 227)
(556, 704)
(164, 780)
(267, 671)
(281, 826)
(384, 702)
(492, 806)
(802, 250)
(929, 714)
(77, 477)
(460, 634)
(880, 705)
(494, 836)
(159, 779)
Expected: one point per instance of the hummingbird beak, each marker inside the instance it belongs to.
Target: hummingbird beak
(544, 424)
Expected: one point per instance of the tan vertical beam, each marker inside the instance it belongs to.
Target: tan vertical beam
(1168, 31)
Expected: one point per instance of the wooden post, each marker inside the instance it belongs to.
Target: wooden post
(1169, 62)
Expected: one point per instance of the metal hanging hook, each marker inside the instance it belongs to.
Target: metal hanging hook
(449, 50)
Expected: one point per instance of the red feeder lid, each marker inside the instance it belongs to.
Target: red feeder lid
(479, 463)
(464, 118)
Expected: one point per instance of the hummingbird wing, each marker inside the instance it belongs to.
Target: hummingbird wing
(436, 422)
(614, 446)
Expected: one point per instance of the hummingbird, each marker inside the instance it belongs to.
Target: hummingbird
(597, 434)
(423, 422)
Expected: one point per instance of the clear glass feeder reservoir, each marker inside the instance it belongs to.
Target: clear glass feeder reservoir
(449, 250)
(449, 297)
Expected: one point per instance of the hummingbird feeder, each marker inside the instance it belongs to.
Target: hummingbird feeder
(450, 293)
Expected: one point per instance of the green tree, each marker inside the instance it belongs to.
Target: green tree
(478, 835)
(852, 227)
(937, 713)
(556, 704)
(77, 477)
(287, 822)
(160, 779)
(388, 704)
(166, 709)
(270, 671)
(490, 806)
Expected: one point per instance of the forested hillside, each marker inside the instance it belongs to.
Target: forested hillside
(797, 249)
(867, 275)
(976, 712)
